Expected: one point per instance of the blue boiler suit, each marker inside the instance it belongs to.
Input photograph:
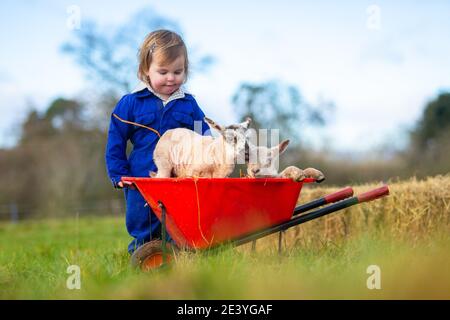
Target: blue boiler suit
(145, 108)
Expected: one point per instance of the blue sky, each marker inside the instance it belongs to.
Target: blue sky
(378, 67)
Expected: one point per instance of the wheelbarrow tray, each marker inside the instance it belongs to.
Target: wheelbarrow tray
(204, 212)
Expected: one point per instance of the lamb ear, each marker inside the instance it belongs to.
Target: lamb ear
(246, 122)
(213, 125)
(282, 146)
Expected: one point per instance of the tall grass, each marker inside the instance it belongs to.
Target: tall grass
(414, 211)
(406, 235)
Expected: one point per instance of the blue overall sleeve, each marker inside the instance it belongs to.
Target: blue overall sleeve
(118, 134)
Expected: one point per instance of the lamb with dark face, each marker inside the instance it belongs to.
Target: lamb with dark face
(235, 135)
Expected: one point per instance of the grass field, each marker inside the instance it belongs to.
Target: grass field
(407, 235)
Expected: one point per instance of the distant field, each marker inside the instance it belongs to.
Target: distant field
(407, 235)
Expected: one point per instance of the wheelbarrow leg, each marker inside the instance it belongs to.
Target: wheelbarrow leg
(163, 231)
(280, 238)
(253, 245)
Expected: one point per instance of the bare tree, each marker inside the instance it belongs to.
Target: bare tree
(109, 57)
(274, 105)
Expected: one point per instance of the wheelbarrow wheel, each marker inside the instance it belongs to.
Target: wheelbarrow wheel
(149, 256)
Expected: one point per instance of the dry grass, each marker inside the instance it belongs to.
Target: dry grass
(414, 211)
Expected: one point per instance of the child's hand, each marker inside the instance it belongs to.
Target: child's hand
(126, 184)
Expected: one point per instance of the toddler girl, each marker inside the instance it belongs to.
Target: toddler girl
(142, 117)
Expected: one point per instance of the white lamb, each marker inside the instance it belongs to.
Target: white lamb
(184, 153)
(263, 162)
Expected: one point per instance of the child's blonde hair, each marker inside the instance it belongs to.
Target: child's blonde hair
(163, 45)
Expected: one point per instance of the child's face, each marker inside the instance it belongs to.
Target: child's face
(166, 79)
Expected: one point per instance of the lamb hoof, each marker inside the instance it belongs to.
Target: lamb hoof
(315, 174)
(293, 173)
(321, 179)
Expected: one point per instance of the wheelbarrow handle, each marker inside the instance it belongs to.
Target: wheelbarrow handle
(373, 194)
(339, 195)
(367, 196)
(333, 197)
(128, 183)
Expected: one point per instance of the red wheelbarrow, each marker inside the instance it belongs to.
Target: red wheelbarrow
(205, 213)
